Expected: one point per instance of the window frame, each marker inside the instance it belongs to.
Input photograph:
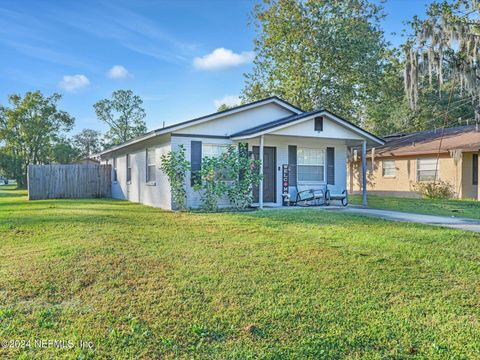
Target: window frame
(394, 168)
(225, 146)
(204, 145)
(300, 164)
(150, 165)
(128, 166)
(437, 169)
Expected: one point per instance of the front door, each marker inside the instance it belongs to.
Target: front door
(269, 173)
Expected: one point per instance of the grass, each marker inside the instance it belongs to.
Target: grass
(143, 283)
(444, 207)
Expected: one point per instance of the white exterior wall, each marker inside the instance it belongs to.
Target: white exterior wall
(138, 190)
(193, 197)
(331, 130)
(281, 143)
(231, 124)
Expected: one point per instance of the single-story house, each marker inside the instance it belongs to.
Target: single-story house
(314, 143)
(87, 161)
(406, 159)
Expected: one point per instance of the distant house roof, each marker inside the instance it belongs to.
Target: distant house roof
(87, 161)
(465, 138)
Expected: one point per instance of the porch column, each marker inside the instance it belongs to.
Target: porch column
(260, 186)
(364, 173)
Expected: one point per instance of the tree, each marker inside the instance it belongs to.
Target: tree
(319, 53)
(87, 142)
(224, 107)
(442, 58)
(124, 114)
(63, 152)
(28, 130)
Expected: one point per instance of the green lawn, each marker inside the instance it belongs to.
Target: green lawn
(452, 207)
(143, 283)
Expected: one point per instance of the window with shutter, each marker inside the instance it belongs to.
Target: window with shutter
(195, 162)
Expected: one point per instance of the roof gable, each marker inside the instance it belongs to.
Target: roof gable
(274, 101)
(302, 125)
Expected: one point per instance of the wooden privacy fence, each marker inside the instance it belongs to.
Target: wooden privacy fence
(69, 181)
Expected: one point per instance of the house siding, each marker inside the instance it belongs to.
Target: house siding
(282, 142)
(402, 184)
(138, 190)
(231, 124)
(470, 191)
(194, 197)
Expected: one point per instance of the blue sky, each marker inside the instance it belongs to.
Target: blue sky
(181, 57)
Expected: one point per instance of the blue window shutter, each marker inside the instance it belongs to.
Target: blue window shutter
(330, 166)
(292, 165)
(195, 162)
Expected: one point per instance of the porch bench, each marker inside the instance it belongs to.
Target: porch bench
(304, 196)
(343, 197)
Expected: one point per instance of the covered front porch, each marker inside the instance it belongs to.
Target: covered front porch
(312, 163)
(314, 144)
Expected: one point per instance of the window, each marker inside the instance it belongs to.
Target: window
(427, 169)
(150, 155)
(318, 123)
(115, 169)
(129, 169)
(388, 168)
(475, 169)
(213, 150)
(310, 165)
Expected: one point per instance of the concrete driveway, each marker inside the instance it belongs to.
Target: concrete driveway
(445, 221)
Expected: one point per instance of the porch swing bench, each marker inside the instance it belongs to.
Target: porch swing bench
(299, 196)
(343, 197)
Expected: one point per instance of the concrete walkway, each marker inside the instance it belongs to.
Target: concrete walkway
(445, 221)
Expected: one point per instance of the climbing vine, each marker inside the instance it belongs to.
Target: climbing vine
(175, 166)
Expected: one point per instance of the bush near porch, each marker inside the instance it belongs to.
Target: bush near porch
(443, 207)
(144, 283)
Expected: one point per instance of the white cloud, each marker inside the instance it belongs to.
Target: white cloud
(229, 100)
(222, 58)
(118, 72)
(74, 82)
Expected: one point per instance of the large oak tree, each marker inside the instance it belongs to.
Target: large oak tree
(124, 114)
(29, 128)
(319, 53)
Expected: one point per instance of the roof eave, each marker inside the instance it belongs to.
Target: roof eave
(340, 120)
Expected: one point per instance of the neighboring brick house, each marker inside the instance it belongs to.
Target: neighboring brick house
(406, 159)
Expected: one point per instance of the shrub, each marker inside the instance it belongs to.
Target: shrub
(175, 167)
(435, 189)
(244, 175)
(233, 174)
(212, 183)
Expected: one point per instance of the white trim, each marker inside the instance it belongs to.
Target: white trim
(306, 182)
(201, 120)
(330, 116)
